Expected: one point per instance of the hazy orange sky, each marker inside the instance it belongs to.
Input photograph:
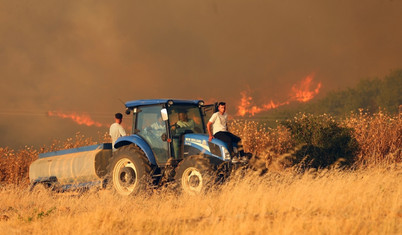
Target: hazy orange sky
(83, 56)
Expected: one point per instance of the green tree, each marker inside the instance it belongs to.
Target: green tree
(390, 92)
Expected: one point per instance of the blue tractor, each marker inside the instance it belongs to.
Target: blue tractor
(169, 143)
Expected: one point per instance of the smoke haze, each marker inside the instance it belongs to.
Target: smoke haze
(83, 56)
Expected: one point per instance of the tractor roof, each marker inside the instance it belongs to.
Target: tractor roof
(136, 103)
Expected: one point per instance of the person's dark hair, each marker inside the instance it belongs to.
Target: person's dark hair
(182, 111)
(118, 116)
(222, 103)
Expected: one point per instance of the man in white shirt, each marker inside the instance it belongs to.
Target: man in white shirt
(218, 122)
(116, 130)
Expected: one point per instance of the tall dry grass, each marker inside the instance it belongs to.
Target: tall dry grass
(14, 165)
(365, 200)
(324, 202)
(379, 137)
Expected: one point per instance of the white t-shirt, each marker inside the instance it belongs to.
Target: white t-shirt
(219, 122)
(116, 130)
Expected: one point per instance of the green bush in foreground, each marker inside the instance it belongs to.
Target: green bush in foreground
(323, 141)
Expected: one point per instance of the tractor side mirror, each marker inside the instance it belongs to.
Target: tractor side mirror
(164, 114)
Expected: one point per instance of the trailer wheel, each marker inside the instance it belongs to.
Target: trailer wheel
(129, 170)
(194, 175)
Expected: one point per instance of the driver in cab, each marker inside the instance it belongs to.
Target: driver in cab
(184, 123)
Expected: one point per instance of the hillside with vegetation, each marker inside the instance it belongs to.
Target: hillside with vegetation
(370, 95)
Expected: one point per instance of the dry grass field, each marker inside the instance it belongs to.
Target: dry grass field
(363, 199)
(326, 202)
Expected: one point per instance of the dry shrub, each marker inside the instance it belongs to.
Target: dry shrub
(79, 140)
(14, 165)
(379, 136)
(271, 147)
(257, 137)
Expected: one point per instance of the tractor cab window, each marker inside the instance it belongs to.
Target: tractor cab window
(185, 119)
(152, 129)
(182, 120)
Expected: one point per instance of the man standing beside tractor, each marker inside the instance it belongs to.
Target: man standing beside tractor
(116, 129)
(218, 122)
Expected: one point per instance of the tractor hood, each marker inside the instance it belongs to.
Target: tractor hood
(198, 143)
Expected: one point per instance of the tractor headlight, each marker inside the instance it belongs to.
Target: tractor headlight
(225, 153)
(200, 103)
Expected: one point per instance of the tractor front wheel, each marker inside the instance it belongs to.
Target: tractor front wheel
(194, 175)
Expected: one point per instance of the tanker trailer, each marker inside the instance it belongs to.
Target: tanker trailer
(72, 168)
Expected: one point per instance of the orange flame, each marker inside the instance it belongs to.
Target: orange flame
(300, 92)
(83, 119)
(246, 105)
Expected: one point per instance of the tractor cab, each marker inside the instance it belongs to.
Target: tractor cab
(162, 124)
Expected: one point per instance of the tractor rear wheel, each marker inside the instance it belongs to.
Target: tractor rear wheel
(129, 170)
(195, 175)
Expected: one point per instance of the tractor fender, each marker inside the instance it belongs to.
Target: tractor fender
(140, 142)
